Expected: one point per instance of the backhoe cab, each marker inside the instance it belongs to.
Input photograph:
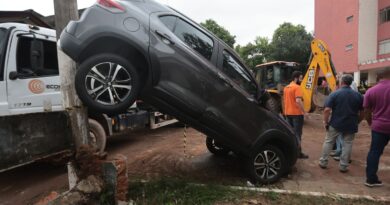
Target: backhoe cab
(273, 77)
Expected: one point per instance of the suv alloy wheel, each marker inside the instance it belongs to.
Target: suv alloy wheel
(266, 165)
(109, 83)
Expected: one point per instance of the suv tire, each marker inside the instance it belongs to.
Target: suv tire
(107, 83)
(216, 148)
(266, 165)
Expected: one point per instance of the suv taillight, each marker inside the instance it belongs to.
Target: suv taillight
(111, 5)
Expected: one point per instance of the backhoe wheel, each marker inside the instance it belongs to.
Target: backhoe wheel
(274, 104)
(107, 83)
(266, 165)
(97, 135)
(216, 148)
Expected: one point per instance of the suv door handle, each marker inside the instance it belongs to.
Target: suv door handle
(166, 39)
(224, 79)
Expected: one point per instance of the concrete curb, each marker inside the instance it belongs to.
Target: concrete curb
(302, 193)
(317, 194)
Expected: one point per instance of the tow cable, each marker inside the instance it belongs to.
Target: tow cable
(185, 140)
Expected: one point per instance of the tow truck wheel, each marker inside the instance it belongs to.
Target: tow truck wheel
(216, 148)
(266, 165)
(107, 83)
(97, 135)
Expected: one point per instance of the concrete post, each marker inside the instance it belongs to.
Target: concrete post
(66, 10)
(356, 77)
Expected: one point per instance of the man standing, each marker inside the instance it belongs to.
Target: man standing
(293, 106)
(377, 109)
(345, 105)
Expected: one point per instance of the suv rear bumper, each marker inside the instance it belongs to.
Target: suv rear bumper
(70, 45)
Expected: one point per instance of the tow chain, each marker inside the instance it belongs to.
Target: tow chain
(185, 141)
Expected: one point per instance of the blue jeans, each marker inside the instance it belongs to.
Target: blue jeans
(331, 136)
(296, 121)
(339, 145)
(378, 144)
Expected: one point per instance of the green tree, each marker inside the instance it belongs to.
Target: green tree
(254, 53)
(291, 43)
(220, 32)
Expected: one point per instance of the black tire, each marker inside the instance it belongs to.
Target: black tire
(97, 135)
(120, 88)
(267, 170)
(274, 104)
(216, 148)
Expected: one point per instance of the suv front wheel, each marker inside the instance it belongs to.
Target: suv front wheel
(266, 165)
(107, 83)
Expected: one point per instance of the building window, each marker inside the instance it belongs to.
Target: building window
(384, 47)
(349, 19)
(348, 47)
(384, 15)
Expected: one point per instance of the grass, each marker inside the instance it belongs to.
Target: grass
(174, 191)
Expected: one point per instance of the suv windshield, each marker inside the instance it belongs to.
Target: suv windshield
(3, 39)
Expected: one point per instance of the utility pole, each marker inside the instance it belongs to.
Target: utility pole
(65, 11)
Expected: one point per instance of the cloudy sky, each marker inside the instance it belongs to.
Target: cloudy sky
(245, 19)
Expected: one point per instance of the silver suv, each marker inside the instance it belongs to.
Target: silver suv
(140, 49)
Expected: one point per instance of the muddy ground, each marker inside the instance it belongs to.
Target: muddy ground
(162, 152)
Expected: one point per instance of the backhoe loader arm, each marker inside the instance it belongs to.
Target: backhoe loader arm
(320, 60)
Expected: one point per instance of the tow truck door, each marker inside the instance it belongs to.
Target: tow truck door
(37, 90)
(3, 87)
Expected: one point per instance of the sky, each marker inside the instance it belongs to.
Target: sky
(245, 19)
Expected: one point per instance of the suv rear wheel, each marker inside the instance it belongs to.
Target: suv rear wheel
(266, 165)
(107, 83)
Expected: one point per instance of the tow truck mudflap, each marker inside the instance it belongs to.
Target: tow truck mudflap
(27, 138)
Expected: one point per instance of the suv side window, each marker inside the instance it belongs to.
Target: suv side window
(24, 61)
(169, 21)
(3, 39)
(194, 38)
(232, 68)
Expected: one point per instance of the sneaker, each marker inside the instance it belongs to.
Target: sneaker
(343, 170)
(322, 166)
(376, 183)
(303, 156)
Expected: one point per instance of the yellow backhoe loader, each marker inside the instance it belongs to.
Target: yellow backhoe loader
(274, 76)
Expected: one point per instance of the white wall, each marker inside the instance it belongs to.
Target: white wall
(368, 30)
(372, 77)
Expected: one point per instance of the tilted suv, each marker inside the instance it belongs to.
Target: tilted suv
(132, 49)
